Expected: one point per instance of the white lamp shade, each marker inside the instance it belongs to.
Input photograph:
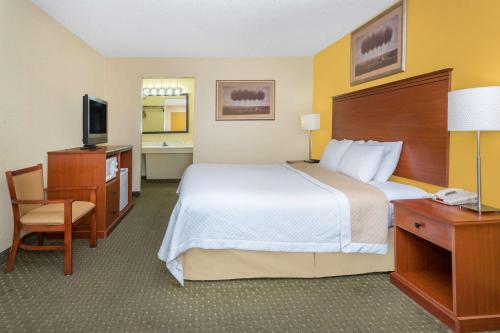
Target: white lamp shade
(475, 109)
(310, 121)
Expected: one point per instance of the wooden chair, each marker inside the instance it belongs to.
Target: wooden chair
(33, 213)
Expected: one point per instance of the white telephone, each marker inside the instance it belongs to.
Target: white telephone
(454, 196)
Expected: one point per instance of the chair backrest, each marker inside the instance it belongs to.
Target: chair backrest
(26, 184)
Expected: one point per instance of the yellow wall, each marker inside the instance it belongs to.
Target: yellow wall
(188, 86)
(461, 34)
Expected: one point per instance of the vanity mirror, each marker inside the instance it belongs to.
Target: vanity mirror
(165, 114)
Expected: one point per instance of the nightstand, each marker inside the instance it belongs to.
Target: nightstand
(448, 261)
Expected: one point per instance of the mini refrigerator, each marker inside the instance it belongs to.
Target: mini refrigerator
(123, 188)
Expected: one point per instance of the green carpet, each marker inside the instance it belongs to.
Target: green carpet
(121, 286)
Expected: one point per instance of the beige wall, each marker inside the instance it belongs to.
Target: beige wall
(45, 70)
(216, 141)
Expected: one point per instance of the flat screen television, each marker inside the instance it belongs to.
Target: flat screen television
(95, 121)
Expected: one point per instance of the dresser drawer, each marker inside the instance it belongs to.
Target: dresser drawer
(435, 232)
(112, 201)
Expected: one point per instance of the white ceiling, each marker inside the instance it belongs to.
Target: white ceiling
(211, 28)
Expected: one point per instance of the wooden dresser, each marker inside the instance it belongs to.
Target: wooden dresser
(83, 167)
(448, 261)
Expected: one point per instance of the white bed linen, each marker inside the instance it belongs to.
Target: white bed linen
(256, 207)
(398, 191)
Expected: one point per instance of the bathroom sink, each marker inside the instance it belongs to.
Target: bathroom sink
(167, 159)
(167, 147)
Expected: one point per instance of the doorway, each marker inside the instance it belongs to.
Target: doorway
(167, 127)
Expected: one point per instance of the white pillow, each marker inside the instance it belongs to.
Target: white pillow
(390, 160)
(362, 162)
(333, 153)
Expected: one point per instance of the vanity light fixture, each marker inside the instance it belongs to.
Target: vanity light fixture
(177, 89)
(163, 91)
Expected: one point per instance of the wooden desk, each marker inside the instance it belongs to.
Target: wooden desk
(448, 261)
(84, 167)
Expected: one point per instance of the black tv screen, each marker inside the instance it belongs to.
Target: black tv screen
(95, 121)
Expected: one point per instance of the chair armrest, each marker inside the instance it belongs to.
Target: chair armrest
(92, 189)
(70, 188)
(41, 202)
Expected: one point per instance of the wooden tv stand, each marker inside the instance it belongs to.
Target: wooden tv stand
(87, 167)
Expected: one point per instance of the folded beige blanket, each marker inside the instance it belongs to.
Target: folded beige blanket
(369, 207)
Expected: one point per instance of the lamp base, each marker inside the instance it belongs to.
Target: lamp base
(484, 208)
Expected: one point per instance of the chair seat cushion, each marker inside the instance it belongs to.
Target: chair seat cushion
(53, 214)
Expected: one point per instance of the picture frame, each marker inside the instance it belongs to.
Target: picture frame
(378, 48)
(245, 100)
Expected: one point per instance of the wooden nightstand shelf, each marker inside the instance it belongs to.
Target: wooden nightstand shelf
(448, 261)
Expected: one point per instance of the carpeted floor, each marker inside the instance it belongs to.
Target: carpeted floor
(121, 286)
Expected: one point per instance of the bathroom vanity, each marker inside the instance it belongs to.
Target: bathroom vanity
(167, 117)
(166, 160)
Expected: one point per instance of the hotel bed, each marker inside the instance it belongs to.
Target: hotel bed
(303, 220)
(241, 221)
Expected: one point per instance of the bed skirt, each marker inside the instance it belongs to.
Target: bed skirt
(202, 265)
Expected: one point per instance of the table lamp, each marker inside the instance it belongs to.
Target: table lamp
(475, 109)
(310, 122)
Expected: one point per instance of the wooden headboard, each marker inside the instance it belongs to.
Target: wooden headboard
(413, 110)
